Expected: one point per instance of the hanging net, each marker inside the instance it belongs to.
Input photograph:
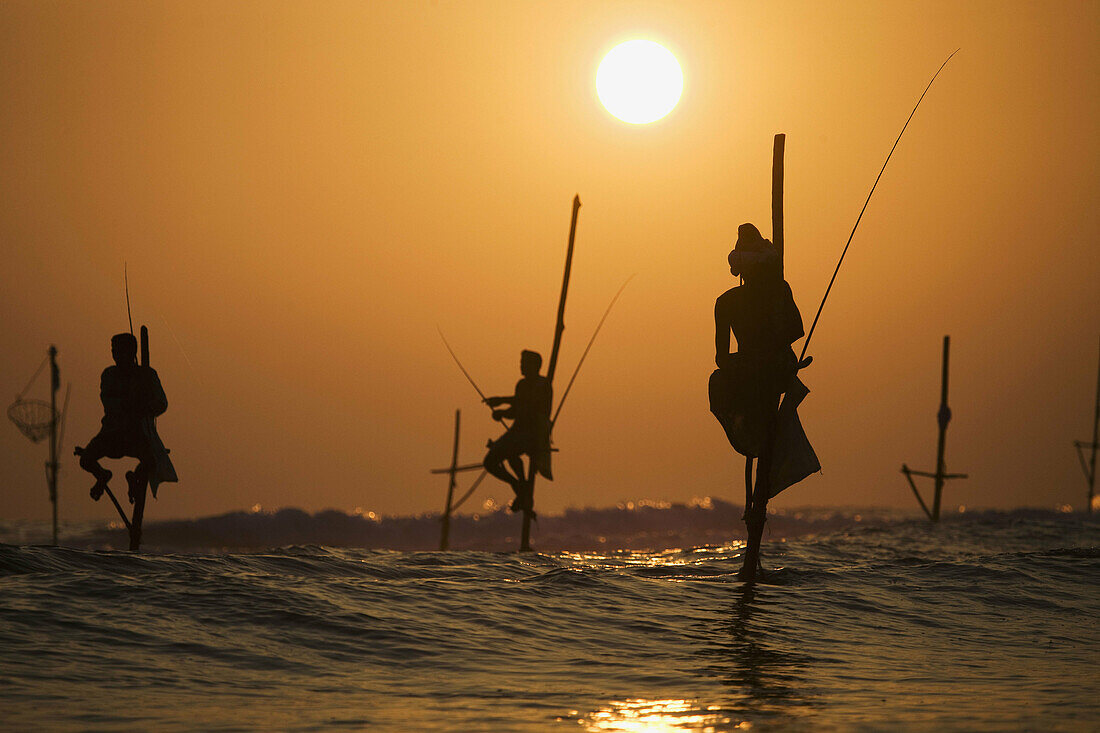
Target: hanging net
(32, 417)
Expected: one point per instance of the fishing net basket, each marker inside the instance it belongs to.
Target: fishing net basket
(33, 418)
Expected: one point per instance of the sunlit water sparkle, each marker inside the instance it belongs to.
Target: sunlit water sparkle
(989, 621)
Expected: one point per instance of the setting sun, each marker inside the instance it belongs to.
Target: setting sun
(639, 81)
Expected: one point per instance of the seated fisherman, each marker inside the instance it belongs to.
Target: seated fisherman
(746, 387)
(132, 397)
(529, 407)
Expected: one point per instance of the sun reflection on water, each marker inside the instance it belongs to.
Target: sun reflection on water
(658, 716)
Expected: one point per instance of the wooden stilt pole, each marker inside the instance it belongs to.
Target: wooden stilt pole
(138, 492)
(1089, 466)
(912, 484)
(1095, 439)
(777, 196)
(52, 466)
(940, 475)
(943, 417)
(139, 515)
(525, 536)
(444, 537)
(756, 514)
(121, 513)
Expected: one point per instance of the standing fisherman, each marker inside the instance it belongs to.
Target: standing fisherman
(746, 388)
(132, 398)
(530, 434)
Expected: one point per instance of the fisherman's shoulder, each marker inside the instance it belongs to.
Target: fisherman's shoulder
(732, 295)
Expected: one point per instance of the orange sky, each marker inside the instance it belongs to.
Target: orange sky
(303, 191)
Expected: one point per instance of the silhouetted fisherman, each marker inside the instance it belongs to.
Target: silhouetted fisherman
(529, 435)
(132, 397)
(746, 387)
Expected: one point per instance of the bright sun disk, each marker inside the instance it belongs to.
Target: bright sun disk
(639, 81)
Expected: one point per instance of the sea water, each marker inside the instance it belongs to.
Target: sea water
(989, 621)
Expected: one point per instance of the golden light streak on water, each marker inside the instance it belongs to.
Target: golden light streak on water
(660, 716)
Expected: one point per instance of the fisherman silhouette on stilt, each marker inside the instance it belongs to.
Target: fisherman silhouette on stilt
(746, 388)
(132, 398)
(529, 435)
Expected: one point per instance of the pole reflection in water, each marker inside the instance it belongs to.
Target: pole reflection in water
(747, 650)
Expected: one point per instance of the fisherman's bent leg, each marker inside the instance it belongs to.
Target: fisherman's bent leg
(757, 515)
(494, 464)
(138, 479)
(523, 489)
(748, 489)
(89, 460)
(98, 447)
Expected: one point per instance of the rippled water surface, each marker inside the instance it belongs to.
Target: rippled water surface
(990, 623)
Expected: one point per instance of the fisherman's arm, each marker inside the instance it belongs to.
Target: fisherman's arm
(792, 318)
(158, 401)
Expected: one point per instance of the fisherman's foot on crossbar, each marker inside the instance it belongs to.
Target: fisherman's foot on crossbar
(100, 485)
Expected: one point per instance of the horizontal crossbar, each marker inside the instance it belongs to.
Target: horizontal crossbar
(926, 474)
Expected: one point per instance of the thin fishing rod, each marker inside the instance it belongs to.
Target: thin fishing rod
(806, 344)
(466, 373)
(586, 349)
(126, 281)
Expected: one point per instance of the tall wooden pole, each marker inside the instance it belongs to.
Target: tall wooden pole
(52, 466)
(940, 475)
(942, 417)
(140, 494)
(777, 196)
(757, 514)
(1095, 436)
(444, 537)
(560, 327)
(525, 537)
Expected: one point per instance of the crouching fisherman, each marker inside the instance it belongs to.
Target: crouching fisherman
(132, 398)
(529, 435)
(746, 388)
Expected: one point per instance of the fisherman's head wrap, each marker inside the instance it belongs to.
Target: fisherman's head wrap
(124, 345)
(531, 357)
(752, 252)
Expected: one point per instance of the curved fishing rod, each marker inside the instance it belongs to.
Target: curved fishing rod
(592, 340)
(126, 287)
(806, 343)
(465, 373)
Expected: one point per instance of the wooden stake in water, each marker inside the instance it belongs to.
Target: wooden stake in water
(444, 537)
(1089, 466)
(777, 196)
(559, 328)
(139, 494)
(943, 417)
(940, 476)
(53, 466)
